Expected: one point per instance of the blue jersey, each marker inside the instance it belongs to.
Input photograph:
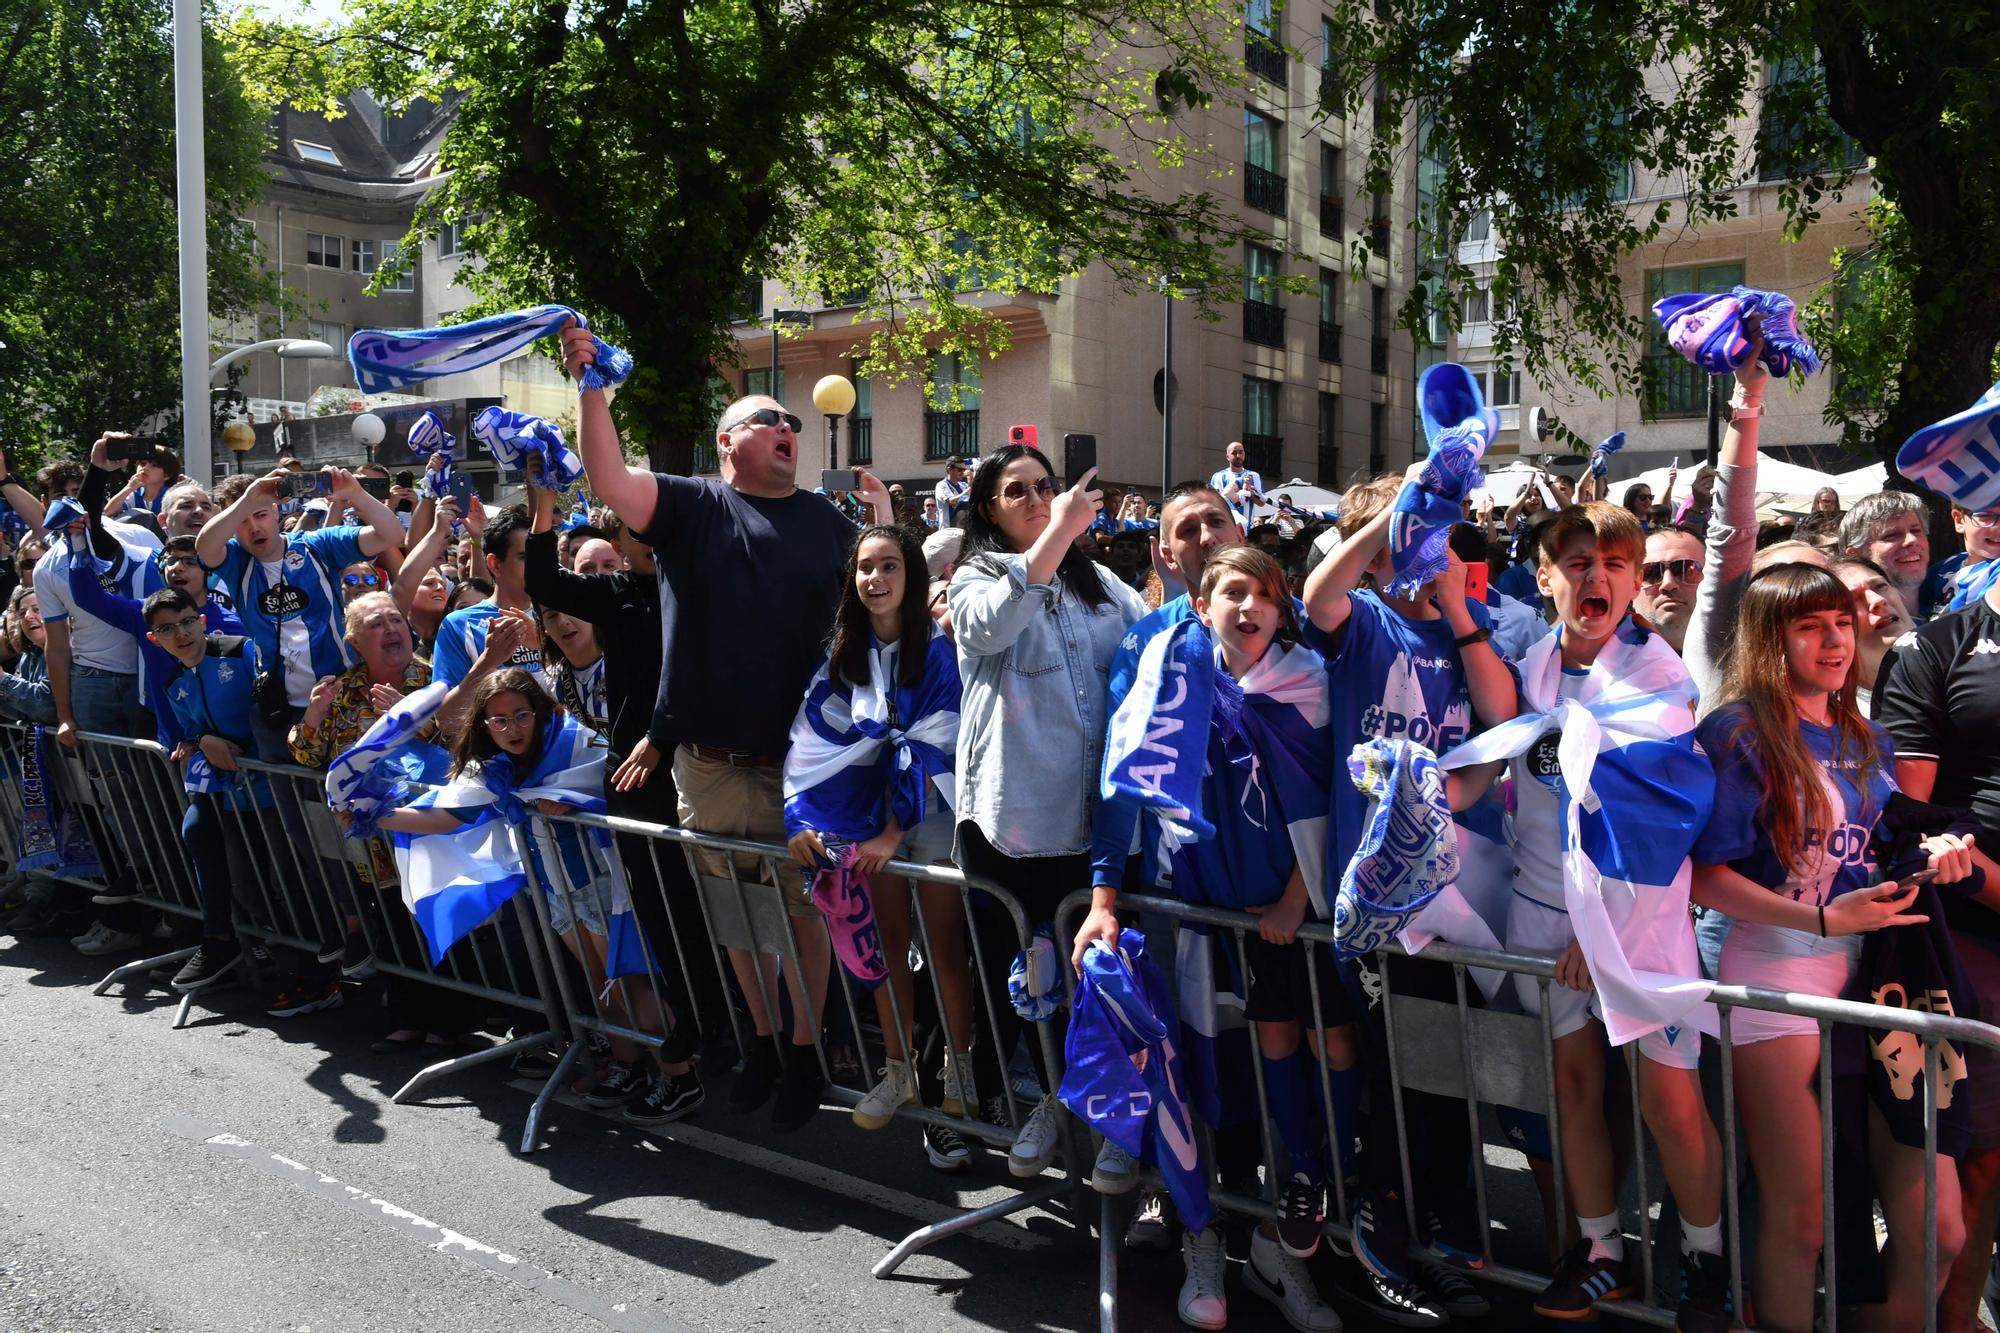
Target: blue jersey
(158, 666)
(1518, 582)
(1838, 858)
(462, 638)
(300, 591)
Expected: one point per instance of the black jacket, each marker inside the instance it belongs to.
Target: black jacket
(626, 607)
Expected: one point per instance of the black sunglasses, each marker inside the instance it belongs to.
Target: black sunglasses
(768, 416)
(1687, 571)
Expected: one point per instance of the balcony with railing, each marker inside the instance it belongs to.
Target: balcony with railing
(1675, 387)
(706, 461)
(1333, 218)
(1378, 355)
(1264, 56)
(861, 441)
(1264, 188)
(1265, 455)
(1329, 341)
(1378, 235)
(1332, 89)
(1264, 323)
(950, 434)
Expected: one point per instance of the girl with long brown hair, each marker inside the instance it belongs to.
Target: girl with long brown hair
(1802, 780)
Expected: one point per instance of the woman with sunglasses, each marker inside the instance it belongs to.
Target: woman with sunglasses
(359, 579)
(1036, 623)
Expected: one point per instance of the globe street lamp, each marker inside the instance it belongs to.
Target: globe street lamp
(834, 395)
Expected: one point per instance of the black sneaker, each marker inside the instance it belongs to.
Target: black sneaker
(1153, 1225)
(213, 961)
(944, 1148)
(1707, 1305)
(305, 997)
(1450, 1245)
(357, 958)
(756, 1079)
(668, 1097)
(1382, 1238)
(1451, 1292)
(798, 1091)
(1301, 1212)
(1403, 1304)
(535, 1062)
(1580, 1283)
(620, 1083)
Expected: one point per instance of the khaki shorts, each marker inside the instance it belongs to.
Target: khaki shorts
(738, 801)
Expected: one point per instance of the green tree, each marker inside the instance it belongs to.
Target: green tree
(645, 162)
(1546, 144)
(89, 279)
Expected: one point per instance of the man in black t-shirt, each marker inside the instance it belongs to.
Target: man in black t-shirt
(749, 570)
(1938, 694)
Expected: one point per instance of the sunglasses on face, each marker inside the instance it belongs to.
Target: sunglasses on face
(767, 416)
(1014, 492)
(1653, 571)
(361, 580)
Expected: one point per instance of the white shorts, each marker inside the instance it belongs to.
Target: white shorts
(1788, 967)
(1533, 928)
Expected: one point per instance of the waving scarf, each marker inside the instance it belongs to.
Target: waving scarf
(1421, 520)
(1408, 851)
(1600, 457)
(1958, 458)
(841, 894)
(1123, 1075)
(514, 436)
(1635, 792)
(388, 359)
(1707, 329)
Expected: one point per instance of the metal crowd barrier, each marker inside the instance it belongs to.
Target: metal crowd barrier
(1476, 1055)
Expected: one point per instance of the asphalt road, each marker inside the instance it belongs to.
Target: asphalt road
(247, 1173)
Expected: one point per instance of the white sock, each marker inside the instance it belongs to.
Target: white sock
(1701, 1240)
(1602, 1232)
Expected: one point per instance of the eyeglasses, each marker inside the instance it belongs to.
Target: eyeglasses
(768, 416)
(521, 721)
(1014, 492)
(361, 580)
(185, 625)
(1653, 571)
(1986, 518)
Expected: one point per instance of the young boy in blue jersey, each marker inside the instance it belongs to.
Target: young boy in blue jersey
(1424, 669)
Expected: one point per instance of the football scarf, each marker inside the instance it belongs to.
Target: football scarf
(389, 359)
(842, 895)
(1408, 851)
(1707, 329)
(1425, 509)
(1958, 458)
(514, 436)
(1600, 457)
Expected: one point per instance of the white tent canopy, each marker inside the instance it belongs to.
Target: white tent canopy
(1781, 487)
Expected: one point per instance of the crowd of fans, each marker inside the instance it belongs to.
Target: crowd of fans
(700, 630)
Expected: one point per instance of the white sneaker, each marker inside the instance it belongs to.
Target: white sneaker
(897, 1088)
(1035, 1146)
(91, 936)
(1286, 1281)
(111, 941)
(1204, 1301)
(1115, 1172)
(960, 1097)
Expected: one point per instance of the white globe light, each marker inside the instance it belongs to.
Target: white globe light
(369, 430)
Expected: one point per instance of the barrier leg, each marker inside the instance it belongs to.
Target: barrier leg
(531, 1132)
(937, 1231)
(1107, 1268)
(144, 965)
(457, 1063)
(182, 1011)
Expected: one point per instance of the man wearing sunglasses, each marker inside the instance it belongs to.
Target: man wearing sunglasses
(750, 570)
(1668, 579)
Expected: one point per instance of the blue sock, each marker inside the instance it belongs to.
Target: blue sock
(1293, 1098)
(1346, 1114)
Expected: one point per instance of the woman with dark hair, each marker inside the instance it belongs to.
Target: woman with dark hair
(869, 778)
(518, 742)
(1791, 853)
(1036, 624)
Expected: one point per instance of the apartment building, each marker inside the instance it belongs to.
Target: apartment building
(1317, 386)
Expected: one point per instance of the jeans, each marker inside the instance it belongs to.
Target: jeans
(297, 860)
(224, 868)
(107, 703)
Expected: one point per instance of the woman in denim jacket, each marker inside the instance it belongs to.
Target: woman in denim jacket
(1036, 622)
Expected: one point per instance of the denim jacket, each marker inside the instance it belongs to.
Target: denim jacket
(1035, 662)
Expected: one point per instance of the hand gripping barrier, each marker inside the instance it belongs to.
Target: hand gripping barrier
(1461, 1050)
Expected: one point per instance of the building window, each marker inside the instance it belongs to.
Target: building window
(392, 251)
(861, 421)
(1263, 53)
(951, 424)
(364, 256)
(759, 381)
(333, 335)
(1329, 442)
(1478, 227)
(1378, 455)
(1476, 306)
(1331, 88)
(1791, 141)
(1329, 315)
(1332, 193)
(1674, 386)
(1378, 329)
(1501, 387)
(1378, 223)
(323, 251)
(316, 152)
(1262, 443)
(1263, 314)
(1263, 155)
(451, 239)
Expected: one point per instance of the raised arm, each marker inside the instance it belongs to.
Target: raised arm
(1731, 541)
(1487, 679)
(1327, 589)
(630, 491)
(382, 531)
(211, 544)
(424, 555)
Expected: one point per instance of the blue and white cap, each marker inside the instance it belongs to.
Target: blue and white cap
(1959, 457)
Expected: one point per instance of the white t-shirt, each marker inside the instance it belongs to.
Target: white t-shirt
(950, 495)
(294, 644)
(1538, 818)
(92, 642)
(1246, 481)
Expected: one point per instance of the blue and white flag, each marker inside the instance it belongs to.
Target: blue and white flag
(513, 436)
(1959, 457)
(1155, 750)
(1124, 1075)
(428, 436)
(1707, 329)
(379, 771)
(1600, 457)
(1635, 792)
(861, 753)
(1971, 584)
(1421, 521)
(389, 359)
(1409, 848)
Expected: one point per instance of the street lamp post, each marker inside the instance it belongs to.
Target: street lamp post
(291, 349)
(833, 395)
(1166, 386)
(798, 319)
(191, 189)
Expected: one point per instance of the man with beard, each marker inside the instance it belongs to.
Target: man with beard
(1668, 579)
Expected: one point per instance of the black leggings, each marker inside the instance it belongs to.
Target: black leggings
(1038, 883)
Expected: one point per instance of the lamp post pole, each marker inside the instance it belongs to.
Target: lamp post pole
(799, 319)
(191, 189)
(1167, 386)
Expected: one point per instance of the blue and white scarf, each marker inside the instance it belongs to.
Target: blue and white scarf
(1707, 329)
(380, 771)
(513, 436)
(1421, 520)
(1959, 457)
(389, 359)
(1971, 584)
(1408, 851)
(1272, 730)
(1124, 1076)
(52, 836)
(1635, 792)
(1600, 457)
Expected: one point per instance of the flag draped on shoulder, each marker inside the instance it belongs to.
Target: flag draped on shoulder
(1124, 1072)
(389, 359)
(1635, 792)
